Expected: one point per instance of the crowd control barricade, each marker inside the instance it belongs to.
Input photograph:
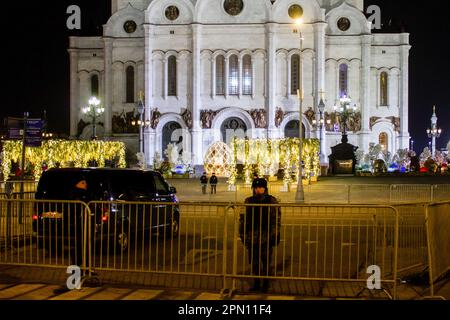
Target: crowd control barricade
(160, 238)
(410, 193)
(440, 192)
(438, 227)
(43, 233)
(326, 243)
(412, 246)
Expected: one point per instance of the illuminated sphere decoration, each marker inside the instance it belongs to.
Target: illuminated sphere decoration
(218, 160)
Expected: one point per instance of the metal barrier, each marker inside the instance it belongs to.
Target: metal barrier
(162, 238)
(408, 193)
(43, 233)
(440, 192)
(438, 226)
(412, 248)
(317, 243)
(15, 185)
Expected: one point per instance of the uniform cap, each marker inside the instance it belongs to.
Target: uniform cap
(260, 183)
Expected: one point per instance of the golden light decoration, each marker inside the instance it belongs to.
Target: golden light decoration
(63, 153)
(219, 160)
(269, 155)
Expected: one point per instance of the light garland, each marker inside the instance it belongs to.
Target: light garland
(268, 155)
(66, 153)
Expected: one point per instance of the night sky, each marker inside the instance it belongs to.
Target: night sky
(36, 62)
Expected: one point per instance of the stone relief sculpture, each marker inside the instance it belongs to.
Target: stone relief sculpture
(187, 117)
(310, 115)
(373, 121)
(259, 118)
(156, 116)
(207, 117)
(279, 117)
(122, 123)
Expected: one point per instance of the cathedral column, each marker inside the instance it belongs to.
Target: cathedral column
(108, 86)
(149, 133)
(366, 48)
(74, 93)
(404, 93)
(319, 85)
(196, 131)
(271, 29)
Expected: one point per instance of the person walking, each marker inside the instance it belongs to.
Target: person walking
(259, 229)
(204, 182)
(213, 182)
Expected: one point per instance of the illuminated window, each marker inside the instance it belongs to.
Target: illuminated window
(295, 73)
(343, 81)
(247, 76)
(172, 76)
(384, 89)
(233, 79)
(220, 75)
(130, 84)
(94, 86)
(383, 141)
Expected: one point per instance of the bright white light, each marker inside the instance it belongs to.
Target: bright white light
(94, 101)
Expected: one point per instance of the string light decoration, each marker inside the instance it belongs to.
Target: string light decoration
(63, 154)
(269, 155)
(219, 160)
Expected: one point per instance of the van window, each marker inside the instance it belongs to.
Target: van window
(161, 185)
(131, 183)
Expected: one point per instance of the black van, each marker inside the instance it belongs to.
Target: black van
(135, 202)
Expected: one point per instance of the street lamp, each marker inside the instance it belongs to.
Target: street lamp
(93, 111)
(300, 195)
(321, 108)
(141, 123)
(434, 133)
(345, 111)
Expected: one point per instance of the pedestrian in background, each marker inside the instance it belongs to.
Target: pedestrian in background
(204, 182)
(259, 229)
(213, 182)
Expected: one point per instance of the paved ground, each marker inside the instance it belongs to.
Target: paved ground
(367, 190)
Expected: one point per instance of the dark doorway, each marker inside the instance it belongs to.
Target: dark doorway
(237, 125)
(167, 133)
(292, 129)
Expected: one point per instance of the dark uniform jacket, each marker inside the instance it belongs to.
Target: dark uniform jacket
(204, 180)
(213, 180)
(261, 224)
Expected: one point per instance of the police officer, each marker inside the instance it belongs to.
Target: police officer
(260, 232)
(213, 182)
(204, 182)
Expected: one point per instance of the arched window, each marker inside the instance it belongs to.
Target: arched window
(130, 84)
(343, 80)
(295, 73)
(172, 76)
(247, 76)
(383, 141)
(220, 75)
(233, 78)
(94, 86)
(384, 89)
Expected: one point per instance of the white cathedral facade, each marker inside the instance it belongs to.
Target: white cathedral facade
(205, 67)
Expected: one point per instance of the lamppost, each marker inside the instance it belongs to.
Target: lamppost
(93, 111)
(300, 195)
(345, 111)
(141, 123)
(322, 131)
(434, 133)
